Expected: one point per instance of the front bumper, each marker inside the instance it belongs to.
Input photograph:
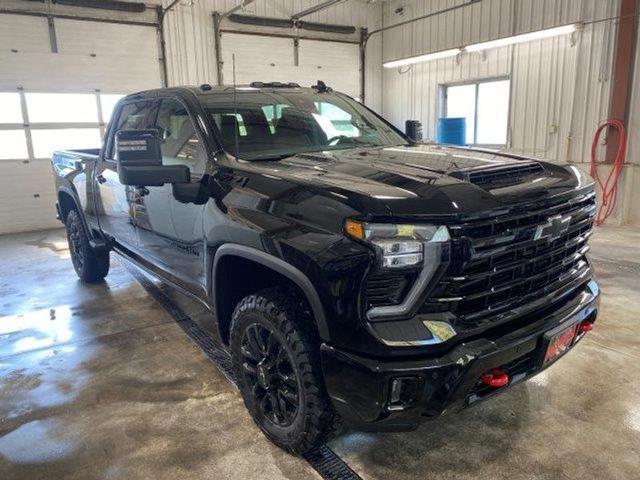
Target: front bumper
(360, 387)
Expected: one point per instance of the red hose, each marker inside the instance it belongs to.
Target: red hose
(609, 190)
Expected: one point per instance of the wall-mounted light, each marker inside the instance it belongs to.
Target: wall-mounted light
(422, 58)
(525, 37)
(477, 47)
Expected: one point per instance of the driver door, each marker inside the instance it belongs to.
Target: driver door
(172, 236)
(115, 204)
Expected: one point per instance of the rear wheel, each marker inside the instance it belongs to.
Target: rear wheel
(275, 358)
(91, 266)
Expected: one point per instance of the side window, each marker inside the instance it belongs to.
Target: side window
(132, 117)
(180, 143)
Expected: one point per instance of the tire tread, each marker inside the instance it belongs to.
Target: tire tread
(96, 264)
(281, 306)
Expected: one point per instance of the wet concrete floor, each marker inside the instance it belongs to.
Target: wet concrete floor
(99, 382)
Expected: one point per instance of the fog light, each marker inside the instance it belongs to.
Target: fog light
(402, 393)
(396, 390)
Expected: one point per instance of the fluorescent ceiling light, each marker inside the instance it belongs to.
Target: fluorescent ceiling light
(525, 37)
(477, 47)
(422, 58)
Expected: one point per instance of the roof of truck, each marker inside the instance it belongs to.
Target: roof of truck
(206, 88)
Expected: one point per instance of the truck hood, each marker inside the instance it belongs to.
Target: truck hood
(427, 180)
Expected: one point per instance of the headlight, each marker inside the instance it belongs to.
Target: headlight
(423, 247)
(400, 245)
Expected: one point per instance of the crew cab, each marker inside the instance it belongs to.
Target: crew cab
(349, 270)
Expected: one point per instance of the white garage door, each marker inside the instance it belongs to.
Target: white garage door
(336, 63)
(263, 58)
(67, 98)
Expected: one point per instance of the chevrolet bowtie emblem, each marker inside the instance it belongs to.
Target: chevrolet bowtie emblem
(553, 228)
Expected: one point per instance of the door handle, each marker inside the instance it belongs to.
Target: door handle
(101, 179)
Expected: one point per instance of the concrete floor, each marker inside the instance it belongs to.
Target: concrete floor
(99, 382)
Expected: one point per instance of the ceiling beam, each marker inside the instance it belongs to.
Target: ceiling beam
(321, 6)
(240, 6)
(423, 17)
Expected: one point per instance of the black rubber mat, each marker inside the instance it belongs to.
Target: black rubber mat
(324, 460)
(329, 465)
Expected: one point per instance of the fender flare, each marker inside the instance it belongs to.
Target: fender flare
(284, 269)
(74, 197)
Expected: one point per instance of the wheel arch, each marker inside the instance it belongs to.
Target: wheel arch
(67, 202)
(273, 264)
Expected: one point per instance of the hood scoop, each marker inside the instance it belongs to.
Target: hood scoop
(500, 177)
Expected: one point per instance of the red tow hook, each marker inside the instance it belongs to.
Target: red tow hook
(496, 379)
(585, 326)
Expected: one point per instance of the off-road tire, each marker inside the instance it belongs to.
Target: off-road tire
(91, 266)
(282, 313)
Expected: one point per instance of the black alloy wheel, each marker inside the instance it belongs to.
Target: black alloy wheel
(90, 265)
(269, 368)
(75, 245)
(276, 359)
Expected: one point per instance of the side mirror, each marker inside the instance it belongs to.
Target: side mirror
(139, 160)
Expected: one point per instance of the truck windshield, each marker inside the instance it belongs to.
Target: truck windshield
(275, 124)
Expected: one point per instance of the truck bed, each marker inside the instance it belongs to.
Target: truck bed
(65, 161)
(73, 171)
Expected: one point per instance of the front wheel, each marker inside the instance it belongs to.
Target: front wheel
(91, 266)
(276, 362)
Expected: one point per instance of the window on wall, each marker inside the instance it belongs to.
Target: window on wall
(51, 121)
(46, 141)
(484, 105)
(108, 103)
(13, 141)
(11, 111)
(61, 107)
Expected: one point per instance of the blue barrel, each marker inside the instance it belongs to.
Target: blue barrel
(452, 130)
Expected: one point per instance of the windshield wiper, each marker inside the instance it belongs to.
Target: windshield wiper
(271, 156)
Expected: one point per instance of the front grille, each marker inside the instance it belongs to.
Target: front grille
(507, 270)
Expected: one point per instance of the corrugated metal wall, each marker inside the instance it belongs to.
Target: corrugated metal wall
(560, 89)
(190, 38)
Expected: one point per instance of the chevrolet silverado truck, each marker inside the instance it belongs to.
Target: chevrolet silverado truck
(350, 272)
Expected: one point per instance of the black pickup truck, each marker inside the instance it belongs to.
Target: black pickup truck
(349, 271)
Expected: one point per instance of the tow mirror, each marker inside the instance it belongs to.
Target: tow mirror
(139, 160)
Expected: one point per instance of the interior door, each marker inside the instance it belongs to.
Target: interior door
(118, 212)
(172, 234)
